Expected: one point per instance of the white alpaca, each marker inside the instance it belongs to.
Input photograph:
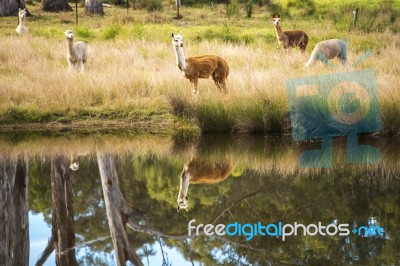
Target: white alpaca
(202, 67)
(21, 28)
(76, 52)
(328, 49)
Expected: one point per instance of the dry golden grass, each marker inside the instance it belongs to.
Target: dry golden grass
(141, 75)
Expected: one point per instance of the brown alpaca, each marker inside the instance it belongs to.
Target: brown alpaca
(197, 171)
(201, 67)
(294, 38)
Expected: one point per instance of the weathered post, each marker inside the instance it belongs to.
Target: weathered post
(178, 4)
(76, 12)
(355, 16)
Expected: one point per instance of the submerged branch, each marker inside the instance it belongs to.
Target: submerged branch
(235, 203)
(47, 251)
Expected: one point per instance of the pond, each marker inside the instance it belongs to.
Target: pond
(99, 198)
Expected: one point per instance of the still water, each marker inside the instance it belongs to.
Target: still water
(103, 198)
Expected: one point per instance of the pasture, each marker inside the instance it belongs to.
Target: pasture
(131, 78)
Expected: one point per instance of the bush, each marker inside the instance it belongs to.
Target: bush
(151, 5)
(111, 32)
(227, 35)
(249, 8)
(302, 7)
(385, 17)
(84, 33)
(233, 9)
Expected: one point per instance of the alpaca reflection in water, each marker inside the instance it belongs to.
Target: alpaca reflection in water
(198, 171)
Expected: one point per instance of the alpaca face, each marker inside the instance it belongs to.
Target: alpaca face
(177, 40)
(22, 13)
(183, 203)
(276, 21)
(69, 34)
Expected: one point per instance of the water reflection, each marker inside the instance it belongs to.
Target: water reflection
(200, 171)
(121, 199)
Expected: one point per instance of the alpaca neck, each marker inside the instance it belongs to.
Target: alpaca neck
(279, 31)
(184, 185)
(180, 59)
(21, 21)
(71, 48)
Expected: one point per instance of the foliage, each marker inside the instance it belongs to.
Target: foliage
(302, 8)
(84, 33)
(269, 188)
(111, 32)
(151, 5)
(234, 10)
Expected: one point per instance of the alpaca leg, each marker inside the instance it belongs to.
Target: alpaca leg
(343, 58)
(70, 66)
(219, 82)
(223, 86)
(194, 84)
(81, 67)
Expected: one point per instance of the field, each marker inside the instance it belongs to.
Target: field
(131, 79)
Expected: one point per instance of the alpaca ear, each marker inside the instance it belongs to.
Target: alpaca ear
(172, 35)
(19, 9)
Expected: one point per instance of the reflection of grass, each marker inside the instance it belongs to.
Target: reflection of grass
(259, 153)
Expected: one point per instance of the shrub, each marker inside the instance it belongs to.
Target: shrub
(233, 9)
(84, 33)
(111, 32)
(302, 7)
(151, 5)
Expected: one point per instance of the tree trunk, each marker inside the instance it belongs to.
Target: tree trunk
(117, 211)
(8, 8)
(14, 225)
(63, 229)
(55, 5)
(94, 7)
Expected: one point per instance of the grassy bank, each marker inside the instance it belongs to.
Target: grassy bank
(131, 74)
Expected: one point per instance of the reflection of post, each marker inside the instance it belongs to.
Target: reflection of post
(14, 231)
(117, 210)
(63, 214)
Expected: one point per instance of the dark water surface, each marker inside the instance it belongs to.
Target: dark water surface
(129, 185)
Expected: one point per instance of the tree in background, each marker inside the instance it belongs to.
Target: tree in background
(94, 7)
(55, 5)
(10, 7)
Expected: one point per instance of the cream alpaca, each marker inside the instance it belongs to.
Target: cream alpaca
(286, 39)
(328, 49)
(197, 171)
(21, 28)
(202, 67)
(76, 52)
